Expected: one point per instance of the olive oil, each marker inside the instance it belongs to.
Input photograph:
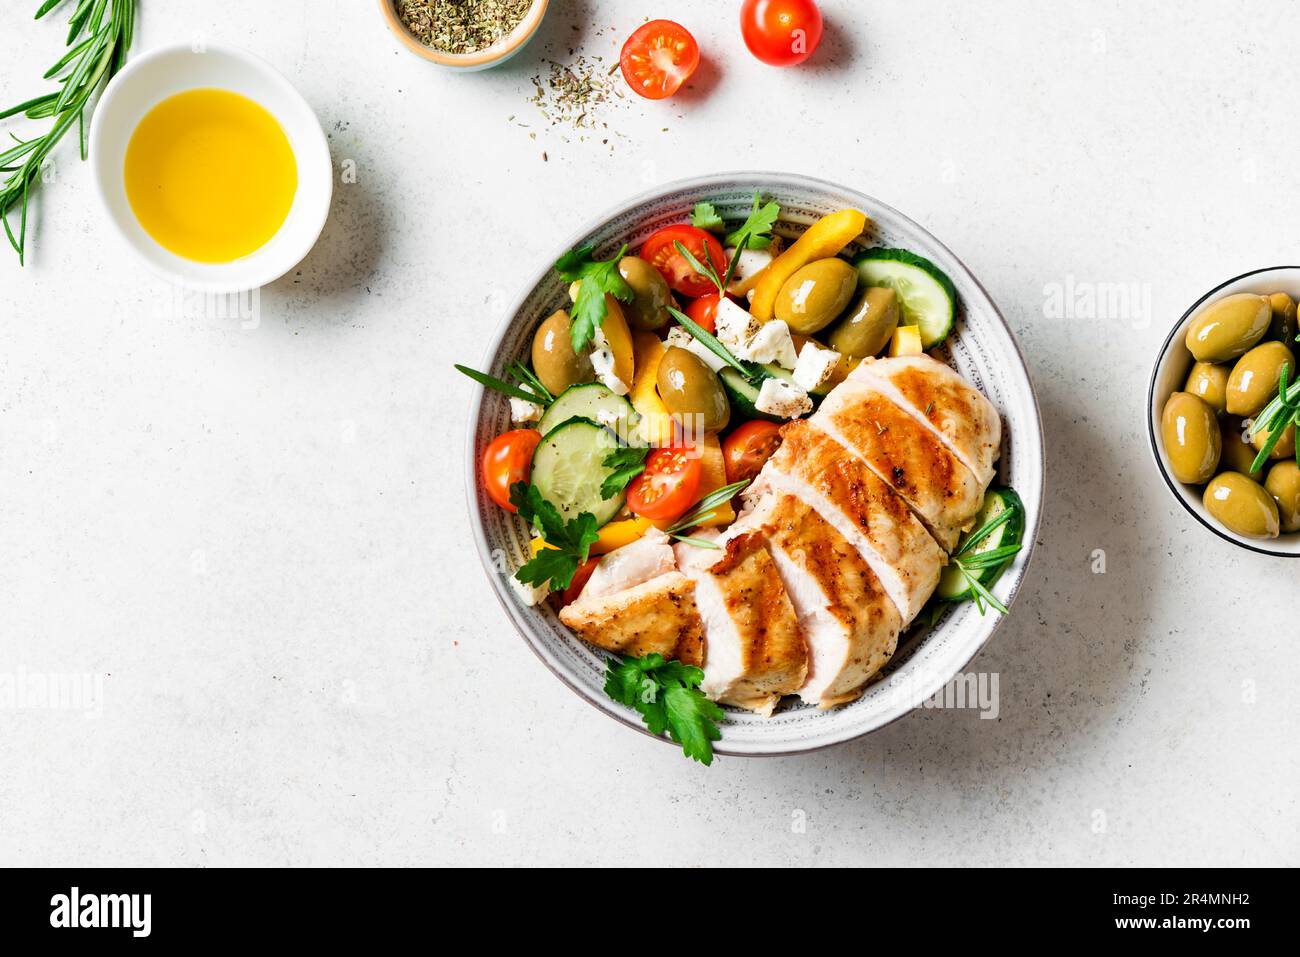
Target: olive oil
(210, 175)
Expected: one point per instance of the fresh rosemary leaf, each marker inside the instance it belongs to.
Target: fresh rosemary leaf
(704, 269)
(505, 388)
(703, 509)
(710, 342)
(985, 530)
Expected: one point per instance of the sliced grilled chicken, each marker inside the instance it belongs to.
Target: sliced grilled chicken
(936, 395)
(636, 603)
(755, 651)
(848, 620)
(907, 454)
(860, 506)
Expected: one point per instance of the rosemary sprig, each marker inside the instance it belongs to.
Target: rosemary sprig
(969, 564)
(702, 512)
(87, 65)
(505, 388)
(710, 342)
(706, 269)
(1276, 417)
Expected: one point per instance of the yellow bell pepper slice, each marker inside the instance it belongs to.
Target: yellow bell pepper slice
(619, 337)
(906, 341)
(713, 476)
(612, 536)
(822, 239)
(656, 424)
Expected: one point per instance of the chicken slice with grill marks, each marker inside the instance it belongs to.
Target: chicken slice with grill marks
(755, 652)
(906, 454)
(636, 603)
(854, 500)
(962, 418)
(848, 620)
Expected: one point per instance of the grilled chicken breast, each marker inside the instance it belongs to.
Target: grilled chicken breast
(855, 501)
(906, 454)
(636, 603)
(755, 651)
(850, 624)
(937, 396)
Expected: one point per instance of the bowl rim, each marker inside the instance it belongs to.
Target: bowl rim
(610, 707)
(314, 222)
(504, 48)
(1162, 358)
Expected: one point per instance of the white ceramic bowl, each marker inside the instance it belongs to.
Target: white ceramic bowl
(982, 349)
(1169, 376)
(155, 76)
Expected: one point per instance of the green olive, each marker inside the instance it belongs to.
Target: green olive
(1209, 382)
(1256, 376)
(1283, 328)
(868, 323)
(1284, 485)
(1285, 447)
(812, 298)
(1229, 328)
(650, 294)
(1192, 441)
(1238, 454)
(554, 360)
(1242, 506)
(692, 391)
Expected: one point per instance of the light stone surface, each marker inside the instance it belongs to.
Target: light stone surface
(256, 538)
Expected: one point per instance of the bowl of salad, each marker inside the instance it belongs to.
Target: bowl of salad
(756, 466)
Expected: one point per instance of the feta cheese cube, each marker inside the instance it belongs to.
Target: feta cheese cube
(530, 595)
(734, 326)
(772, 343)
(682, 339)
(523, 412)
(815, 366)
(778, 397)
(750, 263)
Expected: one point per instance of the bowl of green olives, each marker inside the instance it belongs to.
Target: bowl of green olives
(1224, 404)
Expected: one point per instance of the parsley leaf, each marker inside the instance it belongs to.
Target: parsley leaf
(758, 227)
(598, 279)
(704, 216)
(667, 695)
(570, 541)
(627, 462)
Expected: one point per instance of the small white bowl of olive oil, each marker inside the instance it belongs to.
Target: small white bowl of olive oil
(211, 166)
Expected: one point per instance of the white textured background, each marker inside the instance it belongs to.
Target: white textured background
(259, 536)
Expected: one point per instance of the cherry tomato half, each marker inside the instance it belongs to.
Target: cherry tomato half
(704, 311)
(781, 32)
(580, 579)
(658, 58)
(507, 460)
(667, 487)
(748, 448)
(661, 252)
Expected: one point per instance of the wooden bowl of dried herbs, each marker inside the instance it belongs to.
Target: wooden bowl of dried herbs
(464, 34)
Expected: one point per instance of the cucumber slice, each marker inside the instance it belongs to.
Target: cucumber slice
(744, 395)
(592, 401)
(952, 584)
(568, 469)
(926, 296)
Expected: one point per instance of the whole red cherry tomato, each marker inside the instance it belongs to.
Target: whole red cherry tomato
(507, 460)
(781, 32)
